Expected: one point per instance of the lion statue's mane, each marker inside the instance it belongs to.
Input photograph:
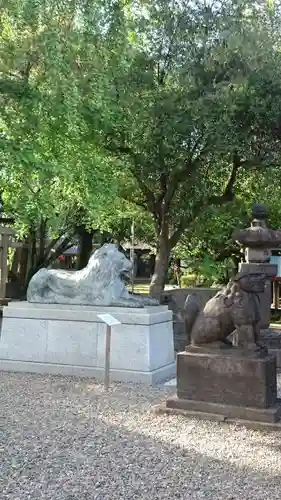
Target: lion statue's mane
(100, 283)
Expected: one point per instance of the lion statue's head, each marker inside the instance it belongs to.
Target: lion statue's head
(109, 256)
(108, 261)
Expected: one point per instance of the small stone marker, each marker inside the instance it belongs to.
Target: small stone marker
(109, 321)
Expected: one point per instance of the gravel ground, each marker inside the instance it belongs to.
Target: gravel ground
(66, 439)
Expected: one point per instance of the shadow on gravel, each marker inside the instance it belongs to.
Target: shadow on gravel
(66, 439)
(80, 459)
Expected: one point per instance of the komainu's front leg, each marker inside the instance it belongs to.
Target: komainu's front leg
(144, 300)
(135, 300)
(244, 337)
(257, 334)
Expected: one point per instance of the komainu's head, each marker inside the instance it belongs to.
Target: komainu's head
(251, 282)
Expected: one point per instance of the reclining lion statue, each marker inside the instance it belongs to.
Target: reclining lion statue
(235, 309)
(100, 283)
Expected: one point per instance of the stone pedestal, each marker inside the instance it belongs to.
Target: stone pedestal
(223, 384)
(226, 378)
(70, 340)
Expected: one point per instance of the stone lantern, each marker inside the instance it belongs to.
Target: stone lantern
(257, 242)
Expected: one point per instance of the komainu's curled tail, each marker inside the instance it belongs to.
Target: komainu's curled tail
(190, 312)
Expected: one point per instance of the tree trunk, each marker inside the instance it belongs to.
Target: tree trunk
(42, 242)
(33, 256)
(50, 257)
(161, 265)
(15, 261)
(86, 246)
(23, 264)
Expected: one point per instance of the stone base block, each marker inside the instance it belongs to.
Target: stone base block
(70, 340)
(263, 419)
(269, 415)
(150, 377)
(227, 378)
(226, 386)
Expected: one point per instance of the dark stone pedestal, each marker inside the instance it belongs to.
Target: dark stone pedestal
(227, 412)
(226, 378)
(226, 385)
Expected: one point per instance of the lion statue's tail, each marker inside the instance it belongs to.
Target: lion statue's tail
(190, 312)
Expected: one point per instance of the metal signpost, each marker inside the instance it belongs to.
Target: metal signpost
(109, 321)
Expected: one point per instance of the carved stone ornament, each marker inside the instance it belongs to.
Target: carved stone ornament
(235, 309)
(100, 283)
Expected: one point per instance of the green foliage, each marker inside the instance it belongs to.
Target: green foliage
(158, 112)
(189, 280)
(48, 171)
(189, 100)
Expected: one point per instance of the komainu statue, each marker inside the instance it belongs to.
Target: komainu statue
(100, 283)
(235, 309)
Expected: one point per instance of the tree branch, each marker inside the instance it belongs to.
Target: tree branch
(66, 243)
(228, 193)
(182, 175)
(161, 73)
(52, 244)
(150, 198)
(225, 197)
(149, 195)
(25, 73)
(179, 177)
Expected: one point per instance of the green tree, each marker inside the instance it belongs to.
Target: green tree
(176, 102)
(54, 183)
(189, 101)
(210, 236)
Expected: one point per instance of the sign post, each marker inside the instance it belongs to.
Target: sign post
(109, 321)
(107, 356)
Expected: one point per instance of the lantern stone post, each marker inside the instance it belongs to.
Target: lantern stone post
(257, 241)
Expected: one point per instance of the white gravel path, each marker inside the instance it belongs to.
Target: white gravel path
(66, 439)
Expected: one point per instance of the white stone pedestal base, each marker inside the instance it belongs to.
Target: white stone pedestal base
(70, 340)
